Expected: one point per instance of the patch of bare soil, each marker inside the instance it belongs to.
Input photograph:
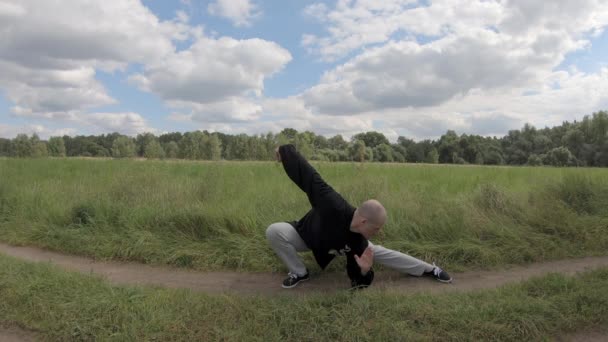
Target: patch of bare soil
(596, 335)
(270, 283)
(10, 333)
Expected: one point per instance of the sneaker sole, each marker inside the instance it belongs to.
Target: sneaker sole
(445, 281)
(294, 285)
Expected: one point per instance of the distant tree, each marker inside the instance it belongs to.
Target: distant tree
(535, 160)
(573, 139)
(39, 149)
(88, 146)
(449, 147)
(192, 145)
(320, 142)
(142, 141)
(586, 155)
(5, 147)
(106, 141)
(478, 158)
(171, 150)
(327, 155)
(559, 156)
(405, 142)
(517, 146)
(123, 147)
(153, 150)
(383, 153)
(599, 127)
(458, 159)
(56, 147)
(369, 153)
(22, 146)
(601, 156)
(337, 143)
(371, 139)
(542, 144)
(288, 136)
(399, 153)
(304, 143)
(494, 157)
(97, 150)
(417, 152)
(214, 146)
(432, 157)
(270, 143)
(168, 137)
(358, 151)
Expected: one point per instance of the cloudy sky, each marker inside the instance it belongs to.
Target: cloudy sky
(402, 67)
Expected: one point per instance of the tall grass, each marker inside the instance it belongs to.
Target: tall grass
(65, 306)
(212, 215)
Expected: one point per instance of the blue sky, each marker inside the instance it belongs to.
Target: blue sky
(401, 67)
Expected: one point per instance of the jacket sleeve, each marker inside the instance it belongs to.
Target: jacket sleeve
(320, 194)
(357, 280)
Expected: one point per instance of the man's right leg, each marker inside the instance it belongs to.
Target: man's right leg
(399, 261)
(286, 242)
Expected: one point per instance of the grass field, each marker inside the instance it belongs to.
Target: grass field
(213, 216)
(64, 306)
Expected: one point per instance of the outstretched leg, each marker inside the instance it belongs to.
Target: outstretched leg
(400, 261)
(408, 264)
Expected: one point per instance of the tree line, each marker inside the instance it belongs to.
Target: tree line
(580, 143)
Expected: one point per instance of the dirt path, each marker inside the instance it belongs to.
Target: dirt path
(269, 283)
(15, 334)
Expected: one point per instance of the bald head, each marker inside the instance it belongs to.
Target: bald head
(368, 218)
(374, 211)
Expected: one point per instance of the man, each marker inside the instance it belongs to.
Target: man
(334, 227)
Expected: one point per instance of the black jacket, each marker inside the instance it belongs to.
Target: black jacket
(326, 227)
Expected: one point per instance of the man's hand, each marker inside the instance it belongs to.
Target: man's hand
(366, 260)
(277, 154)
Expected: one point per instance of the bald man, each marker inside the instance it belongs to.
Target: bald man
(334, 227)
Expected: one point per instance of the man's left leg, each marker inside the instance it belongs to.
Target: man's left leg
(407, 264)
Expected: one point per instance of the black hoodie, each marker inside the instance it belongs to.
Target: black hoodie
(326, 227)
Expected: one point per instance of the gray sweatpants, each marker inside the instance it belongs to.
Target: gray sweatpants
(286, 242)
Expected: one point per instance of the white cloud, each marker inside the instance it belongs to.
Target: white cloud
(240, 12)
(213, 69)
(126, 123)
(232, 109)
(406, 68)
(11, 11)
(49, 59)
(50, 51)
(215, 79)
(564, 96)
(476, 47)
(356, 24)
(406, 74)
(43, 92)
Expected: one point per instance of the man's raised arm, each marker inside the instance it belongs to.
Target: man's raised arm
(319, 193)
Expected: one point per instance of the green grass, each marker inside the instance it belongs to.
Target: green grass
(69, 306)
(213, 215)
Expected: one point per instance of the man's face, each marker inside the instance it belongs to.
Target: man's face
(369, 229)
